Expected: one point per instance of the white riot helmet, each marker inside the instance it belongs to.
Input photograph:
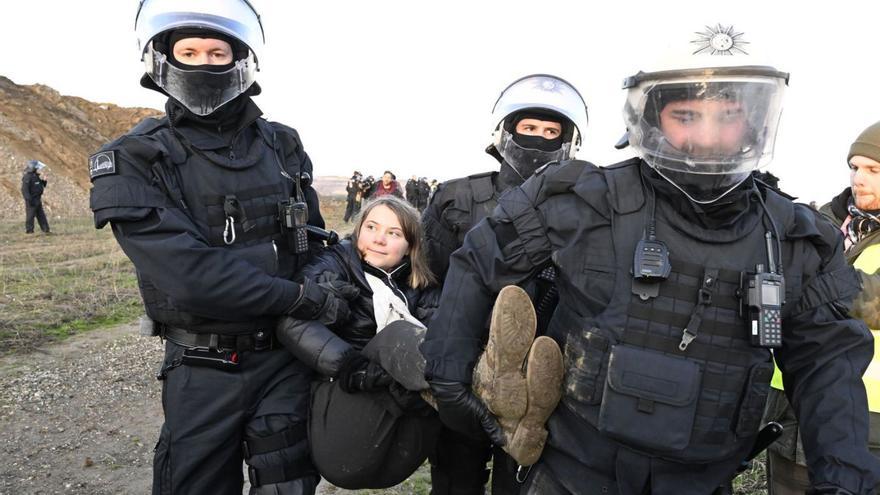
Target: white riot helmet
(546, 95)
(708, 118)
(34, 166)
(201, 91)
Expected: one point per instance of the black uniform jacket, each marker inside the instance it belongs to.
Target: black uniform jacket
(458, 205)
(824, 354)
(32, 188)
(323, 349)
(174, 251)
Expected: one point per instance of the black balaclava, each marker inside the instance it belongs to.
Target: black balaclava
(538, 142)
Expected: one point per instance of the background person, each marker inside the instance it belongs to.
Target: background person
(856, 212)
(538, 119)
(32, 187)
(353, 196)
(387, 186)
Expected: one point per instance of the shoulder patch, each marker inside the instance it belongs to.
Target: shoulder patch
(102, 163)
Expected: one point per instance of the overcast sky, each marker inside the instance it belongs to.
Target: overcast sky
(409, 85)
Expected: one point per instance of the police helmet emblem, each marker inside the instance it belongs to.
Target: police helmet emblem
(720, 40)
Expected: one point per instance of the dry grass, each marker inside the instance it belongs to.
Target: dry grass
(57, 285)
(73, 280)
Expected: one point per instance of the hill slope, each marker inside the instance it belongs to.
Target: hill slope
(36, 122)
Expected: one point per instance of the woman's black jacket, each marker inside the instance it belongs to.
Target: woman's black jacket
(324, 349)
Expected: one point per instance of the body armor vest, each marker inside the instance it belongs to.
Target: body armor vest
(234, 207)
(626, 372)
(471, 204)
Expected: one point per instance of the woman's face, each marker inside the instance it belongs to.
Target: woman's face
(381, 241)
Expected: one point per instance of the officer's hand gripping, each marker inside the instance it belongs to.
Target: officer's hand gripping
(323, 302)
(358, 374)
(462, 411)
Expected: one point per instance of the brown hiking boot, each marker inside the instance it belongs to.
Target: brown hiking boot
(499, 377)
(544, 373)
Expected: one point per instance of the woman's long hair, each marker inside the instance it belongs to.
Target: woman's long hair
(420, 275)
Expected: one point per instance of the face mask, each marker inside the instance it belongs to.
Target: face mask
(537, 142)
(526, 160)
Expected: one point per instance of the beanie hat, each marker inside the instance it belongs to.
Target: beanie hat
(867, 144)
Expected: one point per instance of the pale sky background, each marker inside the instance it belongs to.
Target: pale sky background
(409, 85)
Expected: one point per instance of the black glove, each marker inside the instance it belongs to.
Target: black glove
(462, 411)
(318, 302)
(828, 489)
(331, 282)
(358, 374)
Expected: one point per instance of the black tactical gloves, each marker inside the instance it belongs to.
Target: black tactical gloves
(323, 301)
(358, 374)
(462, 411)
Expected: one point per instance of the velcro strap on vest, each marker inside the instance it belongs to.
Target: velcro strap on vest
(278, 474)
(528, 224)
(124, 193)
(260, 340)
(696, 350)
(281, 440)
(676, 320)
(843, 283)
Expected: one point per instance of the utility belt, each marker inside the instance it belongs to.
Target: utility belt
(258, 341)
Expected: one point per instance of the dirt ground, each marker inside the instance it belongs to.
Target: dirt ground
(82, 416)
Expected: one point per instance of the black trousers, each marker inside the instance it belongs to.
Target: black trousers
(210, 412)
(39, 213)
(352, 207)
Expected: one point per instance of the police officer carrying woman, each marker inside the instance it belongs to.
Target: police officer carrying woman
(211, 203)
(679, 272)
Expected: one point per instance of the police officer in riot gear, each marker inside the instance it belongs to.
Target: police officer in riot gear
(556, 118)
(538, 119)
(32, 186)
(678, 273)
(212, 205)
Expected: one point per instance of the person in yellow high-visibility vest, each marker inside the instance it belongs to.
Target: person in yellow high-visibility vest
(857, 212)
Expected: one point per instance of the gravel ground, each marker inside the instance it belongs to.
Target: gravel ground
(82, 416)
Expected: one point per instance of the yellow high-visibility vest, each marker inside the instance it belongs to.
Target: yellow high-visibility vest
(868, 262)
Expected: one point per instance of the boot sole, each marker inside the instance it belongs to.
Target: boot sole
(544, 376)
(511, 333)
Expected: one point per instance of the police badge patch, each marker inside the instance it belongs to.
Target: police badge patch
(102, 163)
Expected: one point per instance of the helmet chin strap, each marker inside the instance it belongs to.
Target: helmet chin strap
(693, 199)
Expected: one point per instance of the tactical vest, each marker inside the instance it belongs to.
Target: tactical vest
(626, 372)
(233, 208)
(471, 203)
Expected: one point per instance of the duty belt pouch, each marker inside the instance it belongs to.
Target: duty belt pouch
(754, 399)
(650, 399)
(206, 358)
